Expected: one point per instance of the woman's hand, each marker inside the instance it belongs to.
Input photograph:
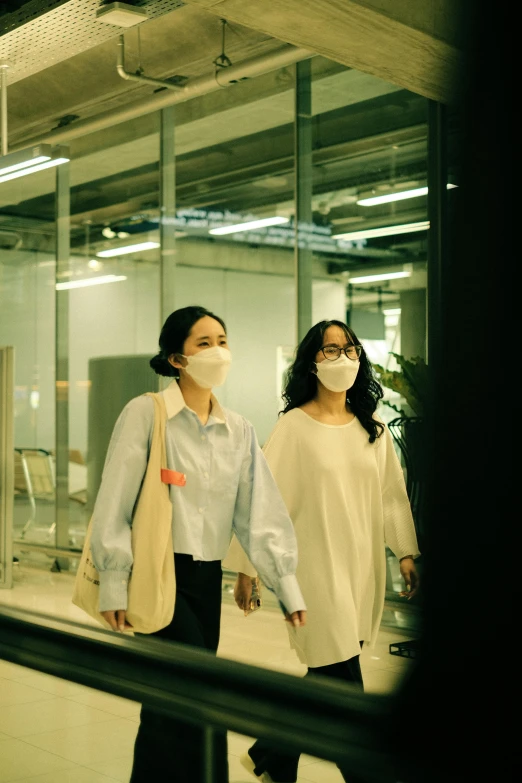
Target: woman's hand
(243, 591)
(297, 619)
(117, 620)
(410, 576)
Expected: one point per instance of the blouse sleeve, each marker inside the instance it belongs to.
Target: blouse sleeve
(123, 473)
(280, 452)
(236, 559)
(399, 527)
(263, 527)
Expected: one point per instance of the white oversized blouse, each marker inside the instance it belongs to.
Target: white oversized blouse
(347, 499)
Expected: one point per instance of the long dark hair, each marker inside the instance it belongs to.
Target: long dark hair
(301, 383)
(173, 334)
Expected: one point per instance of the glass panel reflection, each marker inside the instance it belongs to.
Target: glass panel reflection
(27, 267)
(234, 199)
(113, 287)
(369, 169)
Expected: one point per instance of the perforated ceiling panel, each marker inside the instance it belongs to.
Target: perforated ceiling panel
(42, 34)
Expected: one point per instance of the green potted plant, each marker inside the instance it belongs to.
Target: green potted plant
(411, 382)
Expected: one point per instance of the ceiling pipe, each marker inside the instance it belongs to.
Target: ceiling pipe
(139, 77)
(221, 78)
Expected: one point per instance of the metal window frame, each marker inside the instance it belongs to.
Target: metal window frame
(6, 465)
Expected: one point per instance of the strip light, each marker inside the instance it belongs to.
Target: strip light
(374, 278)
(40, 167)
(28, 157)
(88, 281)
(392, 311)
(384, 231)
(122, 251)
(399, 196)
(24, 164)
(273, 221)
(20, 164)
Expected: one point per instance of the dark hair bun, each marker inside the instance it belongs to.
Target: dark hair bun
(161, 366)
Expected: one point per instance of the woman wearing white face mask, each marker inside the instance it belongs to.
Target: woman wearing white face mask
(333, 460)
(221, 484)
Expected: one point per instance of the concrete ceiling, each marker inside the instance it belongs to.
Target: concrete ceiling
(402, 42)
(38, 35)
(235, 147)
(181, 43)
(409, 43)
(207, 124)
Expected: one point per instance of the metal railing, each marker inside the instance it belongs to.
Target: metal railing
(329, 720)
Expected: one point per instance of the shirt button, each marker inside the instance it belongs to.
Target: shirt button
(205, 475)
(203, 437)
(123, 582)
(200, 509)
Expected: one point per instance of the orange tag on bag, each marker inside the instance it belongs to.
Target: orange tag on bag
(173, 477)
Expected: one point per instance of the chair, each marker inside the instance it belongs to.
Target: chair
(35, 477)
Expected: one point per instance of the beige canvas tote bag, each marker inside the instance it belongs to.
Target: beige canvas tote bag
(152, 584)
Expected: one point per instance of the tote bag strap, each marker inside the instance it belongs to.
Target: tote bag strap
(158, 449)
(160, 424)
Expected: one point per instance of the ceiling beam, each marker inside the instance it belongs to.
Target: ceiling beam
(410, 44)
(182, 43)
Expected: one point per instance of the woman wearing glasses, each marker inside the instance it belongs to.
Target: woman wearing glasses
(334, 462)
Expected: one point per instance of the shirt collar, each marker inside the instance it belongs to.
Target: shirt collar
(175, 402)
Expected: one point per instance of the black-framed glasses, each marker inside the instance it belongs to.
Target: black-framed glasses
(332, 352)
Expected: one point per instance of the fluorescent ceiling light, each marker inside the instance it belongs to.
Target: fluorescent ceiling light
(392, 311)
(42, 156)
(24, 164)
(28, 157)
(272, 221)
(121, 251)
(40, 167)
(399, 196)
(383, 276)
(384, 231)
(90, 281)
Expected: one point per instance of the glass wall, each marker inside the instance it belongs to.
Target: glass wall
(27, 322)
(235, 164)
(234, 171)
(114, 314)
(369, 177)
(293, 197)
(369, 194)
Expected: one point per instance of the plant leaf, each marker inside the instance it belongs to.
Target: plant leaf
(411, 382)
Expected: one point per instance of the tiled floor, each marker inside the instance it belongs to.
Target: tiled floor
(54, 731)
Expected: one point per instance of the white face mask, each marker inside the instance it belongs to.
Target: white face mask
(210, 367)
(339, 375)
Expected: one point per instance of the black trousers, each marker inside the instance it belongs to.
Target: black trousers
(282, 767)
(167, 750)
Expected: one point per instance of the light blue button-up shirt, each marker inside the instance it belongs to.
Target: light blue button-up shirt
(229, 489)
